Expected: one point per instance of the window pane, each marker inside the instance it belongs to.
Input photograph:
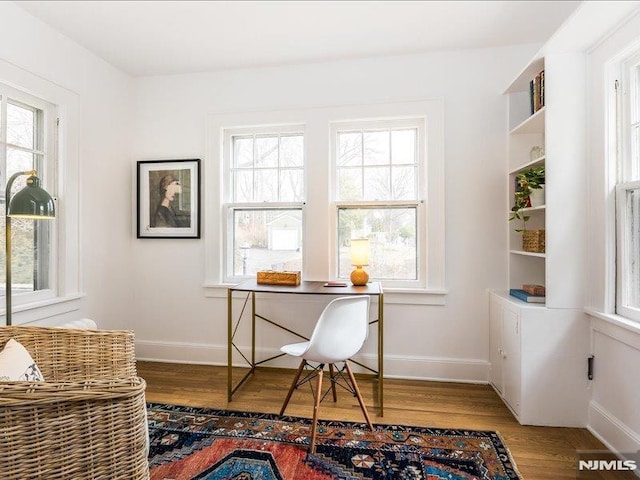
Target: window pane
(23, 253)
(20, 123)
(376, 148)
(268, 168)
(29, 272)
(404, 183)
(376, 183)
(349, 184)
(392, 238)
(291, 151)
(266, 152)
(18, 161)
(403, 145)
(633, 249)
(634, 111)
(266, 185)
(267, 240)
(30, 240)
(291, 185)
(243, 191)
(378, 180)
(635, 153)
(349, 149)
(242, 152)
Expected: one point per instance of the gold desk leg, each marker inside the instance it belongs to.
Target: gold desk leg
(381, 353)
(253, 331)
(229, 343)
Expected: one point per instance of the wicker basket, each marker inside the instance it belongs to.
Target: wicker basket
(533, 241)
(87, 420)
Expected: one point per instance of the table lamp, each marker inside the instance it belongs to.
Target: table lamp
(359, 257)
(30, 202)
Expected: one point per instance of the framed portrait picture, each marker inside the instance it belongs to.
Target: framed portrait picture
(168, 199)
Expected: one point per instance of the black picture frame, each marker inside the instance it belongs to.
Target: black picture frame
(168, 198)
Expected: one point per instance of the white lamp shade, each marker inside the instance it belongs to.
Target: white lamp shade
(359, 251)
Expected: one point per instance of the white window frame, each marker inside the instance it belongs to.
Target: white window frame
(230, 206)
(46, 174)
(628, 179)
(318, 234)
(419, 123)
(64, 181)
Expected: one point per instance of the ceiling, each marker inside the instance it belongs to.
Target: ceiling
(171, 37)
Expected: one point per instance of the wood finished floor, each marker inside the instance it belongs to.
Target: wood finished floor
(540, 453)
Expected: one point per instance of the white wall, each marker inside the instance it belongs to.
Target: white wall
(614, 416)
(104, 95)
(173, 318)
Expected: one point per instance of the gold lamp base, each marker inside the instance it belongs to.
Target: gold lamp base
(359, 277)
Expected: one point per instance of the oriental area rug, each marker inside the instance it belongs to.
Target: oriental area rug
(200, 443)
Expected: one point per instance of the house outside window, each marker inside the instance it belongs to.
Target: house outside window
(628, 190)
(27, 141)
(265, 197)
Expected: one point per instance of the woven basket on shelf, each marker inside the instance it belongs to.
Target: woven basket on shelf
(87, 420)
(533, 241)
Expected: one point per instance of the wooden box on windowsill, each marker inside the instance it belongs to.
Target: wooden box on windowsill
(271, 277)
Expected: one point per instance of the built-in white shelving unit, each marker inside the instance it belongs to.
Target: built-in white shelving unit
(539, 351)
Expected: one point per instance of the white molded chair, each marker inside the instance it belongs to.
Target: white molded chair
(338, 335)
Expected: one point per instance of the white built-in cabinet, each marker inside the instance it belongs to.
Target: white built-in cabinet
(539, 351)
(539, 361)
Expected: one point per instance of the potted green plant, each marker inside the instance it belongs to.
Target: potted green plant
(528, 183)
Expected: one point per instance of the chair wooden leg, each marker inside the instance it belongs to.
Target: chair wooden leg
(359, 397)
(333, 383)
(316, 408)
(293, 387)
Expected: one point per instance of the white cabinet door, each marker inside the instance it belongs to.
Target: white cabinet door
(495, 342)
(538, 361)
(511, 357)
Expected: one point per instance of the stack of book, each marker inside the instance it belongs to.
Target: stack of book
(529, 295)
(536, 92)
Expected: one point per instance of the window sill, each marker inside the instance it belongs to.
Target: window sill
(40, 310)
(616, 327)
(614, 319)
(402, 296)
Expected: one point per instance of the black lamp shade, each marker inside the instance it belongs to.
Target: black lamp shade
(32, 202)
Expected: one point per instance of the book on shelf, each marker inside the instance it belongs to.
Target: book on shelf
(526, 297)
(531, 105)
(536, 92)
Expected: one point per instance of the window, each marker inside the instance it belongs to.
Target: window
(265, 199)
(27, 142)
(628, 191)
(293, 187)
(378, 196)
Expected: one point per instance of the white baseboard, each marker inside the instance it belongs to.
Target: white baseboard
(395, 366)
(615, 435)
(175, 352)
